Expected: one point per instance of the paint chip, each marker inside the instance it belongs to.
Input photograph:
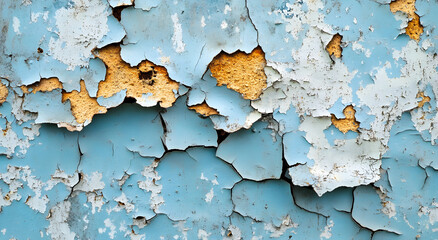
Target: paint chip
(241, 72)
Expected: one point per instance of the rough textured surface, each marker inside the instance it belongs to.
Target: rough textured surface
(227, 119)
(3, 93)
(348, 123)
(241, 72)
(83, 106)
(44, 85)
(204, 109)
(334, 46)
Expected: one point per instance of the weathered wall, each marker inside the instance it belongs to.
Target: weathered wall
(256, 119)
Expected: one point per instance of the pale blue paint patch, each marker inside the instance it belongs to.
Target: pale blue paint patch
(185, 128)
(271, 202)
(49, 107)
(296, 148)
(332, 134)
(197, 188)
(260, 152)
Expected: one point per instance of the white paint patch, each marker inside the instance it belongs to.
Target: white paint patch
(203, 22)
(224, 24)
(90, 183)
(313, 87)
(348, 163)
(177, 38)
(58, 228)
(111, 226)
(80, 29)
(34, 16)
(150, 185)
(203, 235)
(327, 233)
(125, 203)
(203, 177)
(236, 234)
(96, 201)
(209, 196)
(227, 9)
(388, 207)
(16, 25)
(278, 231)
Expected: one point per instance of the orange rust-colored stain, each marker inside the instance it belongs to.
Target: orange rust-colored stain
(44, 85)
(348, 123)
(145, 78)
(424, 99)
(204, 109)
(241, 72)
(414, 28)
(83, 106)
(334, 46)
(3, 93)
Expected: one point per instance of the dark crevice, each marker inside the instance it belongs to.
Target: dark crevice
(129, 100)
(221, 135)
(117, 12)
(163, 123)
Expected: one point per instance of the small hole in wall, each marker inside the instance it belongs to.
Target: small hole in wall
(129, 100)
(147, 76)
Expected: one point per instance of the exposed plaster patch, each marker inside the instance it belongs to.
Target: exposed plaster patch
(3, 93)
(334, 46)
(204, 109)
(348, 123)
(147, 83)
(414, 28)
(243, 73)
(424, 99)
(44, 85)
(83, 106)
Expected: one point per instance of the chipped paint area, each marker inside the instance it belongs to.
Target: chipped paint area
(308, 119)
